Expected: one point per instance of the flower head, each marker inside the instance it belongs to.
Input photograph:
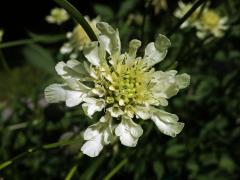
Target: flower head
(211, 23)
(159, 5)
(57, 16)
(123, 86)
(207, 22)
(78, 39)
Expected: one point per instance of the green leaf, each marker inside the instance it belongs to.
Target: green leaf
(39, 57)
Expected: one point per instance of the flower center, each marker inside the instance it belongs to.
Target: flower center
(125, 84)
(210, 19)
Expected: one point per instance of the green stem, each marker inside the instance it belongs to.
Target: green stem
(78, 17)
(185, 17)
(31, 41)
(71, 172)
(116, 169)
(32, 150)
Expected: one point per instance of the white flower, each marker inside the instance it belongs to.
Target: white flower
(158, 5)
(78, 39)
(57, 16)
(1, 34)
(123, 86)
(207, 22)
(210, 23)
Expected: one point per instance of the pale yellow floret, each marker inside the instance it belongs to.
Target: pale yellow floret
(210, 19)
(129, 84)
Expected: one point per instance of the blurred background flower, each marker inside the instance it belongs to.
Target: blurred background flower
(57, 16)
(159, 5)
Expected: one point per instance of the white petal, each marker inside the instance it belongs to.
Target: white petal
(165, 116)
(183, 80)
(133, 47)
(66, 48)
(60, 68)
(74, 98)
(109, 38)
(97, 136)
(92, 147)
(58, 92)
(71, 69)
(115, 111)
(170, 129)
(77, 85)
(55, 93)
(125, 137)
(156, 51)
(91, 132)
(92, 105)
(92, 55)
(166, 122)
(128, 132)
(135, 129)
(143, 112)
(107, 136)
(166, 84)
(162, 43)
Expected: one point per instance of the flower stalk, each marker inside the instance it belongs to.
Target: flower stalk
(78, 17)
